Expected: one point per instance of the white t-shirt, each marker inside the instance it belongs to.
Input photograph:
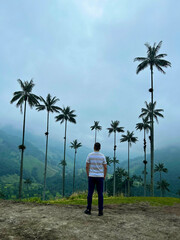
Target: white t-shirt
(96, 161)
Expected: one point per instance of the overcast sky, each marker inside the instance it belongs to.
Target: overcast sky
(82, 52)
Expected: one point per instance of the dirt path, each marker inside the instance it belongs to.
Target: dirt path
(50, 222)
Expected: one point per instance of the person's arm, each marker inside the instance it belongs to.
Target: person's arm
(87, 169)
(105, 170)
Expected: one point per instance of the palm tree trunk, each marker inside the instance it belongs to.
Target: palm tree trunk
(105, 186)
(160, 185)
(128, 173)
(74, 170)
(144, 164)
(45, 168)
(64, 157)
(126, 187)
(22, 153)
(114, 186)
(95, 135)
(152, 138)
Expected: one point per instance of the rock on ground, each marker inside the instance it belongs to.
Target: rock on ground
(20, 221)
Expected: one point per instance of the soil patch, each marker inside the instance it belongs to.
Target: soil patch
(20, 221)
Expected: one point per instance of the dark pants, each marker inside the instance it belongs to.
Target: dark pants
(98, 181)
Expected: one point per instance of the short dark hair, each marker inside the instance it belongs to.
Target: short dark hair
(97, 146)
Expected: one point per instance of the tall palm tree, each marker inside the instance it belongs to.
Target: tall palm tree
(75, 145)
(144, 126)
(153, 59)
(130, 139)
(96, 127)
(23, 97)
(160, 168)
(66, 115)
(49, 106)
(28, 182)
(163, 185)
(109, 161)
(120, 173)
(151, 113)
(125, 175)
(115, 128)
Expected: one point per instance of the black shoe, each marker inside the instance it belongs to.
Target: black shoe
(87, 211)
(100, 213)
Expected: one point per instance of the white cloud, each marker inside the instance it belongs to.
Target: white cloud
(92, 8)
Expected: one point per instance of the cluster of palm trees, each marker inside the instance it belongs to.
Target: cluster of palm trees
(161, 184)
(129, 137)
(153, 59)
(148, 114)
(65, 115)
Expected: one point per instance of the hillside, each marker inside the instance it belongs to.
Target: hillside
(34, 163)
(169, 156)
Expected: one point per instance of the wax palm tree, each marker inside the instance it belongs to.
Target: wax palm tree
(125, 175)
(75, 145)
(120, 173)
(66, 115)
(96, 127)
(150, 110)
(28, 182)
(62, 163)
(178, 192)
(130, 139)
(152, 60)
(115, 128)
(151, 113)
(160, 168)
(163, 186)
(109, 161)
(49, 106)
(144, 126)
(23, 97)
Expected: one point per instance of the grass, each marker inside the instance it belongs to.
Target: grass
(81, 199)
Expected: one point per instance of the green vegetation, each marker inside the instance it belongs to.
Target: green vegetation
(81, 199)
(34, 165)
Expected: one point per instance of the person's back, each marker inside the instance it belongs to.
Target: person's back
(96, 162)
(96, 168)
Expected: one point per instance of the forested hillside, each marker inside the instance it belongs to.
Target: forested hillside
(34, 166)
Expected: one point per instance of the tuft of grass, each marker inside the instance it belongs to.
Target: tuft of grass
(80, 198)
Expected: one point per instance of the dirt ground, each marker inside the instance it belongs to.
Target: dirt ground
(133, 221)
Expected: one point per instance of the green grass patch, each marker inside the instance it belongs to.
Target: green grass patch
(81, 199)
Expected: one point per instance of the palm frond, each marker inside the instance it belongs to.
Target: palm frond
(158, 47)
(161, 55)
(16, 97)
(20, 103)
(160, 69)
(140, 59)
(142, 66)
(40, 107)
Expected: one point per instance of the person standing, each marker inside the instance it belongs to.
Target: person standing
(96, 169)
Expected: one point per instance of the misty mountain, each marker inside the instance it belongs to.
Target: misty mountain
(34, 159)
